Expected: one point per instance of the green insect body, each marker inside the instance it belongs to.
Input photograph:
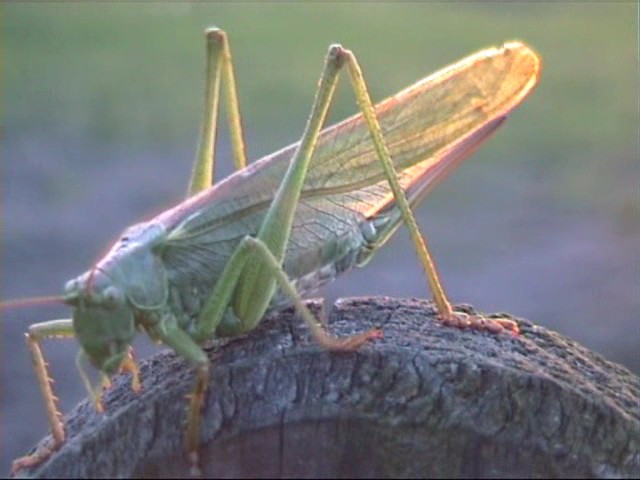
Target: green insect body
(277, 229)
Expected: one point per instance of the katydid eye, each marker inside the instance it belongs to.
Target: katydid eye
(71, 286)
(112, 297)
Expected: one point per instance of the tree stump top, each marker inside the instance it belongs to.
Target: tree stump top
(425, 400)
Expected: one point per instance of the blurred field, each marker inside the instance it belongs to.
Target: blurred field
(101, 105)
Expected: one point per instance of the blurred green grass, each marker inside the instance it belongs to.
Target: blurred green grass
(131, 75)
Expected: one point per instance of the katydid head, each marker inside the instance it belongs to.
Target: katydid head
(103, 319)
(129, 278)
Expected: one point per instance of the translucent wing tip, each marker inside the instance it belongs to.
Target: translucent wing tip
(517, 62)
(526, 53)
(527, 61)
(520, 47)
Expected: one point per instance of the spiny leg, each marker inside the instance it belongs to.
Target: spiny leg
(38, 332)
(445, 311)
(249, 249)
(212, 314)
(219, 69)
(257, 284)
(219, 300)
(272, 232)
(276, 227)
(196, 402)
(229, 91)
(351, 342)
(129, 365)
(171, 335)
(248, 287)
(57, 329)
(255, 250)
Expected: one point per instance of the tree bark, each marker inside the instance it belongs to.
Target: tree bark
(424, 401)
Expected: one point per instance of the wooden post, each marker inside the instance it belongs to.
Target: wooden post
(426, 401)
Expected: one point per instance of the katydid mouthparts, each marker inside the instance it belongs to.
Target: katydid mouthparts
(273, 231)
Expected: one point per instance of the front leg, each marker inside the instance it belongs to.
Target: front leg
(58, 329)
(38, 332)
(171, 335)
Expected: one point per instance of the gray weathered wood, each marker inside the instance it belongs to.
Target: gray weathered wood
(426, 400)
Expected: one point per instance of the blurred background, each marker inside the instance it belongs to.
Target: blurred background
(101, 107)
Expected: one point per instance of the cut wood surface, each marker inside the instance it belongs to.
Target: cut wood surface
(425, 400)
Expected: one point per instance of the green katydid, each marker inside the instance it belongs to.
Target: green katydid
(276, 229)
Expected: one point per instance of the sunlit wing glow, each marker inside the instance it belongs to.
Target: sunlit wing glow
(429, 128)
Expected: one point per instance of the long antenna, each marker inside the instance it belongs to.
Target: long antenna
(31, 301)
